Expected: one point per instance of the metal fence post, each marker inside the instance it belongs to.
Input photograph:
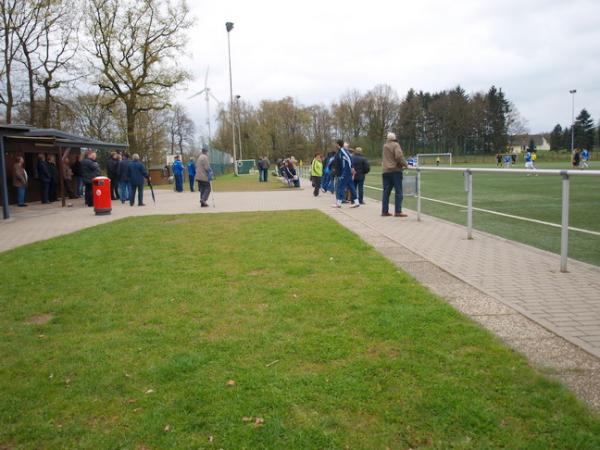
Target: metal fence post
(418, 194)
(469, 204)
(564, 234)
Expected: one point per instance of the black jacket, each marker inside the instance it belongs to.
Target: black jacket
(89, 170)
(43, 171)
(361, 167)
(112, 167)
(122, 170)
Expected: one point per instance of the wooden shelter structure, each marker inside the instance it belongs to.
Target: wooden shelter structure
(28, 142)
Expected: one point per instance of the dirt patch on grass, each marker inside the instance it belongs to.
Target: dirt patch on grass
(39, 319)
(178, 220)
(258, 272)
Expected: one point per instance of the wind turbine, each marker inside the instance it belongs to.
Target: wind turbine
(207, 94)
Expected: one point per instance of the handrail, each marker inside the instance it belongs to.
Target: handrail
(568, 172)
(468, 173)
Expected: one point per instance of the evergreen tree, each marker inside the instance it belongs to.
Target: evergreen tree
(584, 130)
(496, 126)
(556, 138)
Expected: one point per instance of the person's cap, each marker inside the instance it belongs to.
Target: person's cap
(391, 137)
(358, 150)
(204, 150)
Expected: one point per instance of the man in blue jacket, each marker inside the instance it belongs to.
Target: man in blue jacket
(123, 174)
(178, 173)
(344, 172)
(191, 173)
(137, 173)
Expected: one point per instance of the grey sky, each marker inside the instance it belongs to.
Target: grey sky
(314, 51)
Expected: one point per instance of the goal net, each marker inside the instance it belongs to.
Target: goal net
(434, 159)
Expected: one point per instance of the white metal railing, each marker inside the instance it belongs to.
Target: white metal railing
(468, 174)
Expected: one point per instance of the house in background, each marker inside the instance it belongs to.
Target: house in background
(519, 142)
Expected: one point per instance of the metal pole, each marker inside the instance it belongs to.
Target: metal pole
(564, 233)
(4, 184)
(572, 92)
(469, 205)
(239, 124)
(235, 168)
(418, 194)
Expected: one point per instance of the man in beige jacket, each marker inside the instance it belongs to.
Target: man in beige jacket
(392, 162)
(204, 177)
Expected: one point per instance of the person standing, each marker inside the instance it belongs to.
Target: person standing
(137, 173)
(204, 174)
(90, 169)
(123, 172)
(316, 173)
(77, 173)
(51, 162)
(112, 167)
(20, 180)
(585, 157)
(191, 166)
(361, 169)
(44, 176)
(265, 168)
(178, 173)
(259, 166)
(67, 176)
(343, 170)
(392, 162)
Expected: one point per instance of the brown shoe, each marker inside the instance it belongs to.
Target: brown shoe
(387, 214)
(400, 215)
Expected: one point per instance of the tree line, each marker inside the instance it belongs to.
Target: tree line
(445, 121)
(582, 133)
(102, 68)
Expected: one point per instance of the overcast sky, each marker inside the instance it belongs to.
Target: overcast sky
(535, 50)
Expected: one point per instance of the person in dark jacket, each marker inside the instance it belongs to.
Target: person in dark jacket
(51, 162)
(123, 176)
(76, 168)
(137, 173)
(112, 171)
(20, 181)
(43, 173)
(361, 168)
(90, 169)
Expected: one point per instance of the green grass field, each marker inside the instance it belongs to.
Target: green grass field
(127, 335)
(533, 197)
(230, 183)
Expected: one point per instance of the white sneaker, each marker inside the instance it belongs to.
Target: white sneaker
(336, 205)
(355, 205)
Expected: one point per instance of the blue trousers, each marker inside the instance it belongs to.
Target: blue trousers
(179, 182)
(124, 191)
(191, 177)
(21, 191)
(345, 182)
(392, 180)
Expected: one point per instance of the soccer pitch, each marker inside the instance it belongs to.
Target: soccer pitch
(533, 197)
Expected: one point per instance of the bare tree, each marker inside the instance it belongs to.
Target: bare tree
(135, 43)
(9, 10)
(181, 129)
(58, 46)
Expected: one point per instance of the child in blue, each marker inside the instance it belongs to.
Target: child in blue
(191, 173)
(585, 157)
(343, 163)
(178, 173)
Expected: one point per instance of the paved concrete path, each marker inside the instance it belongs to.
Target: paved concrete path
(514, 290)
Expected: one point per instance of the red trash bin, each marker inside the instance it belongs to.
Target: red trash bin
(101, 191)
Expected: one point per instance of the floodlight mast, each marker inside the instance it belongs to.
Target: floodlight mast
(573, 92)
(229, 27)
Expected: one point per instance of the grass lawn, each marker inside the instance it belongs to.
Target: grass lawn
(126, 336)
(533, 197)
(230, 183)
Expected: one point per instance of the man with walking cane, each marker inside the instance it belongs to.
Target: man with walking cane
(204, 177)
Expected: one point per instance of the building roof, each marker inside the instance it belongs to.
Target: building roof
(56, 137)
(523, 139)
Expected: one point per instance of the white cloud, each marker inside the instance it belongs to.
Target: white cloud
(536, 50)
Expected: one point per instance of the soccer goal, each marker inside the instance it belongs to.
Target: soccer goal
(433, 159)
